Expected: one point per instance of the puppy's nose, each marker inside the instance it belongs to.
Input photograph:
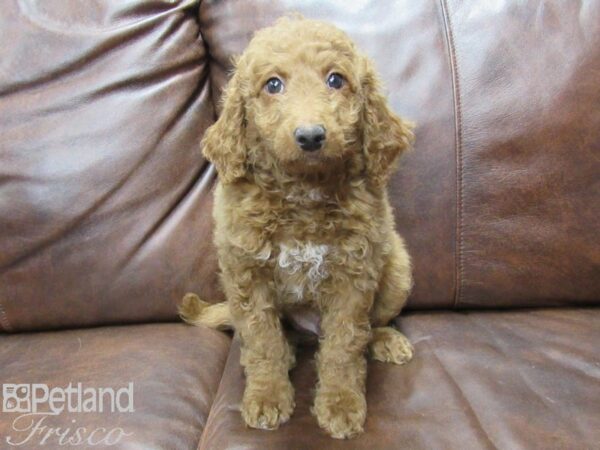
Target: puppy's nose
(310, 138)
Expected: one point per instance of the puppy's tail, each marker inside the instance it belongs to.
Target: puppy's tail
(196, 312)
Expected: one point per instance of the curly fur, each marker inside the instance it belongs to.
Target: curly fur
(313, 230)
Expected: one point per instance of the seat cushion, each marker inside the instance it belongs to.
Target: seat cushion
(175, 370)
(511, 380)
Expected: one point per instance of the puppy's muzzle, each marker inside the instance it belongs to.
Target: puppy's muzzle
(310, 138)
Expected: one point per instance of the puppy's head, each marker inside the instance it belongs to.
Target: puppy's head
(304, 101)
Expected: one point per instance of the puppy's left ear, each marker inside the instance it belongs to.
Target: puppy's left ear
(385, 135)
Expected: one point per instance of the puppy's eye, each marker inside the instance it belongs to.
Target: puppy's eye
(335, 81)
(274, 85)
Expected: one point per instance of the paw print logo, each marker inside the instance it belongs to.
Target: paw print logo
(16, 398)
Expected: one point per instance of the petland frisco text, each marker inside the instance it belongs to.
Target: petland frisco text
(38, 404)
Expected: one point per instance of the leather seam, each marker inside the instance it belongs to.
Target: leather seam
(217, 392)
(454, 69)
(4, 322)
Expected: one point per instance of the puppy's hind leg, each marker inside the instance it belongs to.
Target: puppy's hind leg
(387, 344)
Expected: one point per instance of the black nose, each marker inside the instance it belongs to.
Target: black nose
(310, 138)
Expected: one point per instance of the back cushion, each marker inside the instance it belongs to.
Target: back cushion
(527, 96)
(104, 196)
(500, 201)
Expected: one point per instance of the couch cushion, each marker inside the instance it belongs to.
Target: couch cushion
(500, 199)
(510, 380)
(175, 370)
(104, 201)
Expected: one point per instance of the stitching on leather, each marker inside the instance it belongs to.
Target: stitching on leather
(4, 323)
(458, 149)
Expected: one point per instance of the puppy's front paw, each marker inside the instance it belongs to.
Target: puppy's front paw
(389, 345)
(340, 412)
(267, 409)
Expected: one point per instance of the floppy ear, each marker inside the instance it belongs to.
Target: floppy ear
(224, 142)
(385, 135)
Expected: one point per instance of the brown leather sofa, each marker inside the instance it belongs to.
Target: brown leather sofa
(105, 221)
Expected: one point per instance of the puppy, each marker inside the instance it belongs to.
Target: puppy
(304, 148)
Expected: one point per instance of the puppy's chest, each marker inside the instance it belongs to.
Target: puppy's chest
(304, 249)
(300, 269)
(304, 243)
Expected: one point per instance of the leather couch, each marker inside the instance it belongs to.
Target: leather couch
(105, 220)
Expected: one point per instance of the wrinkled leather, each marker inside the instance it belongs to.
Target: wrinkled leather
(175, 370)
(507, 380)
(104, 195)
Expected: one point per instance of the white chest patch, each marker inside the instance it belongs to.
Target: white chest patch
(307, 265)
(314, 195)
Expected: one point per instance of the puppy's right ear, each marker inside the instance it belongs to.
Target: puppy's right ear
(224, 142)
